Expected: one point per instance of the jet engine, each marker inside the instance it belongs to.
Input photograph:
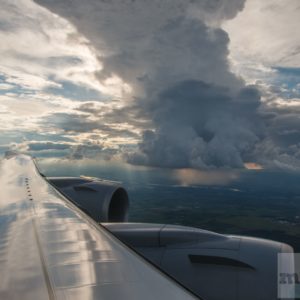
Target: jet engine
(102, 200)
(214, 266)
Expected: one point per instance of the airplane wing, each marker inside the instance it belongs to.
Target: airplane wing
(49, 249)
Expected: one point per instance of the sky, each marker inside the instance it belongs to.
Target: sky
(185, 84)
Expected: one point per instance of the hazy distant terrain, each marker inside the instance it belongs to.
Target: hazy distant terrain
(257, 203)
(262, 214)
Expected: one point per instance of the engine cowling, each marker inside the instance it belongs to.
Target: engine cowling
(214, 266)
(102, 200)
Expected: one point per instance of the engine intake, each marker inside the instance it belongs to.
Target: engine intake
(104, 201)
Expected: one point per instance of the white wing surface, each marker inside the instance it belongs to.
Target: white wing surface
(49, 249)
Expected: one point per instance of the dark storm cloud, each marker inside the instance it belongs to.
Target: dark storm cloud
(40, 146)
(175, 57)
(200, 125)
(285, 129)
(92, 151)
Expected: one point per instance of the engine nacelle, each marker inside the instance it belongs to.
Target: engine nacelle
(102, 200)
(213, 266)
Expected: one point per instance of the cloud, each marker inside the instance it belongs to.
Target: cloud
(40, 146)
(23, 111)
(45, 65)
(64, 148)
(71, 122)
(201, 126)
(6, 86)
(91, 151)
(40, 50)
(144, 37)
(269, 35)
(170, 59)
(82, 123)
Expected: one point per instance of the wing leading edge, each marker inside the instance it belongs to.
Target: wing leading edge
(49, 249)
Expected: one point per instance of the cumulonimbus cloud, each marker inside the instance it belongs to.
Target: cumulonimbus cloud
(174, 56)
